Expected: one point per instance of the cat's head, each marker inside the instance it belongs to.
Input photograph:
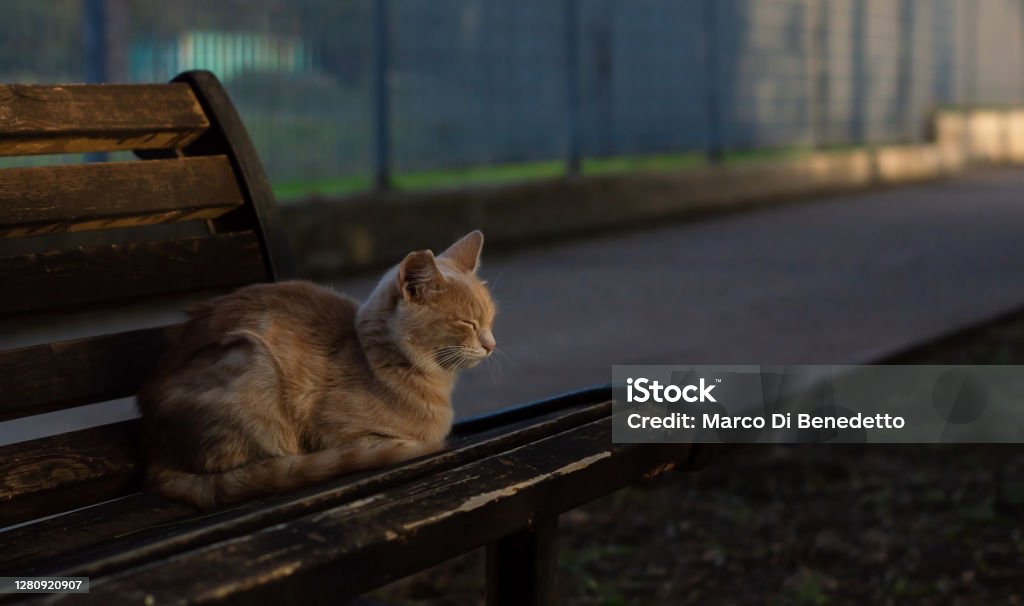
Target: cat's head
(445, 313)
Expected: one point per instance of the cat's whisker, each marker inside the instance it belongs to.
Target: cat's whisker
(443, 360)
(422, 363)
(505, 355)
(458, 355)
(418, 363)
(496, 361)
(494, 367)
(498, 279)
(449, 361)
(450, 355)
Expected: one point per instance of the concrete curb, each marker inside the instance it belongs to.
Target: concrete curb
(332, 237)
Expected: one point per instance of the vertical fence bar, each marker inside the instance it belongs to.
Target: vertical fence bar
(944, 68)
(905, 67)
(381, 95)
(712, 81)
(818, 59)
(571, 38)
(861, 84)
(94, 40)
(811, 55)
(116, 32)
(971, 23)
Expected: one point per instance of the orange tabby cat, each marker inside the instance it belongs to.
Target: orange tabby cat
(276, 386)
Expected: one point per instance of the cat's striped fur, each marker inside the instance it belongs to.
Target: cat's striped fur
(277, 386)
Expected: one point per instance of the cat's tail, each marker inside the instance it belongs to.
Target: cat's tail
(278, 474)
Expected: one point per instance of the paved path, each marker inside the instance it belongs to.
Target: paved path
(828, 282)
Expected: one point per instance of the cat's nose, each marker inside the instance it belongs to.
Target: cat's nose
(487, 341)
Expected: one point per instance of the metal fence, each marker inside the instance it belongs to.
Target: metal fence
(367, 89)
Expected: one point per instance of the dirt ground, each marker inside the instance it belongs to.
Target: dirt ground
(801, 524)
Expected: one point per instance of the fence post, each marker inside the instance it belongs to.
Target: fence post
(820, 63)
(571, 38)
(860, 83)
(381, 96)
(94, 41)
(972, 48)
(905, 66)
(712, 80)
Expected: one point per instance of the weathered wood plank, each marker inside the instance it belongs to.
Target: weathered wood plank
(88, 542)
(336, 554)
(506, 417)
(80, 197)
(83, 532)
(60, 473)
(58, 375)
(74, 118)
(114, 272)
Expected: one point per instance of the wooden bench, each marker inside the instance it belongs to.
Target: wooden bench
(192, 215)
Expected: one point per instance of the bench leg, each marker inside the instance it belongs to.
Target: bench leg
(522, 567)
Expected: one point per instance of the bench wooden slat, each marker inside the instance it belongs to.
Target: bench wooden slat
(54, 541)
(370, 542)
(53, 280)
(36, 119)
(155, 535)
(63, 374)
(52, 199)
(67, 471)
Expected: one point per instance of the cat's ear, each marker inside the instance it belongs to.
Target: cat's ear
(466, 252)
(417, 275)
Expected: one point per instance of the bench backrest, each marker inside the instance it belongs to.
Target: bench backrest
(78, 236)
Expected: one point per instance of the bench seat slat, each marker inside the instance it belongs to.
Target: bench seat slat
(63, 374)
(80, 197)
(94, 536)
(409, 527)
(40, 119)
(53, 541)
(116, 272)
(67, 471)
